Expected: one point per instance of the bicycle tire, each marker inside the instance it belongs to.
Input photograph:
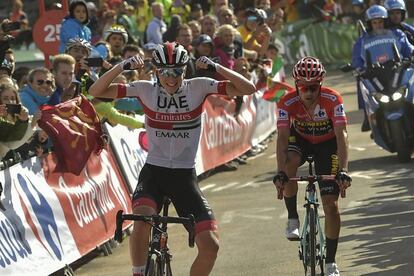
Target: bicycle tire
(153, 269)
(312, 240)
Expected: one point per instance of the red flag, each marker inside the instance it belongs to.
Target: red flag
(276, 91)
(76, 132)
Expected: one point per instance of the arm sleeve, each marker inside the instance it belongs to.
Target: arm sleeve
(357, 61)
(134, 89)
(210, 86)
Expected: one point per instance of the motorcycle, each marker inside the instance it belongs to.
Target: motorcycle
(388, 90)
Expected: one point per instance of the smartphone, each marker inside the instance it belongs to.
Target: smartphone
(14, 108)
(11, 26)
(94, 61)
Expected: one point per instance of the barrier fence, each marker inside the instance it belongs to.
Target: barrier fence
(330, 42)
(55, 219)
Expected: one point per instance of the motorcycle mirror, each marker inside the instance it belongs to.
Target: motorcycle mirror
(346, 68)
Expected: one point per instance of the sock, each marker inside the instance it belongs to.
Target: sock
(331, 246)
(291, 207)
(138, 270)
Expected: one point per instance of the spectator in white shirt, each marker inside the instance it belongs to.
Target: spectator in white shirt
(157, 27)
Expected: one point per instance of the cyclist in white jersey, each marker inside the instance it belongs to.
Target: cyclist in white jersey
(173, 108)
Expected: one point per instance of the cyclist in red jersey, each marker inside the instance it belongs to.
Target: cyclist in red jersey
(312, 120)
(173, 110)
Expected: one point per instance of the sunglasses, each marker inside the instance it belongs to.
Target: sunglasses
(41, 82)
(308, 87)
(171, 72)
(252, 18)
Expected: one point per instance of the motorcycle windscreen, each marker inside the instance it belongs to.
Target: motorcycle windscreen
(380, 48)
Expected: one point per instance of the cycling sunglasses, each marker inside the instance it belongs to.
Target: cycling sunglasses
(313, 87)
(41, 82)
(171, 72)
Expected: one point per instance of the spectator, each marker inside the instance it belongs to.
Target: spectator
(262, 4)
(204, 46)
(21, 76)
(217, 5)
(93, 23)
(5, 69)
(157, 27)
(15, 127)
(226, 16)
(179, 7)
(195, 28)
(255, 29)
(117, 37)
(24, 35)
(142, 16)
(209, 26)
(11, 59)
(196, 12)
(75, 24)
(172, 31)
(225, 48)
(185, 39)
(63, 70)
(131, 50)
(72, 91)
(103, 48)
(39, 89)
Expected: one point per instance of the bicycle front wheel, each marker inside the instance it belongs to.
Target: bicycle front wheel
(153, 268)
(312, 240)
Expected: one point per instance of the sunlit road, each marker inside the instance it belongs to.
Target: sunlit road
(377, 236)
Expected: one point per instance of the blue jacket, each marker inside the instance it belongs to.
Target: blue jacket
(380, 47)
(72, 28)
(31, 100)
(407, 29)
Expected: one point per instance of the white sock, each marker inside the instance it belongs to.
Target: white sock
(140, 270)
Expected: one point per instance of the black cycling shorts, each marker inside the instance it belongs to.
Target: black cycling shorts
(181, 186)
(325, 159)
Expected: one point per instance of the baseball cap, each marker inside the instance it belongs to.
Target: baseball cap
(203, 39)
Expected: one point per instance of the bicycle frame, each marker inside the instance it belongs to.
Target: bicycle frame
(159, 257)
(312, 238)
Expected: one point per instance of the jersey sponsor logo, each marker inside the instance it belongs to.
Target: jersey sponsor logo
(164, 102)
(291, 101)
(379, 42)
(339, 110)
(172, 134)
(172, 117)
(283, 114)
(320, 114)
(329, 96)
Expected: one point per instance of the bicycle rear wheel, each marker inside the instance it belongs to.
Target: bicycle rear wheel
(312, 240)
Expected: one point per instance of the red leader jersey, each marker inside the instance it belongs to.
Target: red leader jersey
(317, 127)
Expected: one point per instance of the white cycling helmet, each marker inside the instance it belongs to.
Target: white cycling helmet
(116, 29)
(169, 54)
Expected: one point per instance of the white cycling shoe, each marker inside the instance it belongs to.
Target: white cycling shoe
(292, 229)
(332, 269)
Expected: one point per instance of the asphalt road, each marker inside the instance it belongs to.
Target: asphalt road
(377, 235)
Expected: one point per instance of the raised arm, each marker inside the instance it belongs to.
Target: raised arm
(238, 84)
(104, 88)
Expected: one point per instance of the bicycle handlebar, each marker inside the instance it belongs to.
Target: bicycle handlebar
(155, 219)
(313, 178)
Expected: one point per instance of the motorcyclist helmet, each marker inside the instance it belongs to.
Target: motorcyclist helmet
(169, 55)
(391, 5)
(308, 69)
(116, 29)
(375, 12)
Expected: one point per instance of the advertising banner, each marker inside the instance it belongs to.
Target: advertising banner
(53, 218)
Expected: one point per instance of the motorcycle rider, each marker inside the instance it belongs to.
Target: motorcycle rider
(396, 13)
(379, 41)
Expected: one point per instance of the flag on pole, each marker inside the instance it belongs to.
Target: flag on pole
(276, 90)
(76, 133)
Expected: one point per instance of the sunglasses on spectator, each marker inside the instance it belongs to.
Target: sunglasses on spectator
(41, 82)
(251, 18)
(171, 72)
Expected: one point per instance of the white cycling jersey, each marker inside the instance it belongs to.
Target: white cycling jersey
(173, 122)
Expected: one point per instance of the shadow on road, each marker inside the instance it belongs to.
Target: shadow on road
(383, 222)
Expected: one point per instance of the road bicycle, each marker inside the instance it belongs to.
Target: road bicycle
(312, 239)
(159, 255)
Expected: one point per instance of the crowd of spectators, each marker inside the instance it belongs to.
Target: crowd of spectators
(96, 35)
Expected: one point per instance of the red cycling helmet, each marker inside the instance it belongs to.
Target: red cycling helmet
(308, 69)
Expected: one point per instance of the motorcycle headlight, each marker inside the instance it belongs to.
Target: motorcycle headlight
(382, 98)
(401, 92)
